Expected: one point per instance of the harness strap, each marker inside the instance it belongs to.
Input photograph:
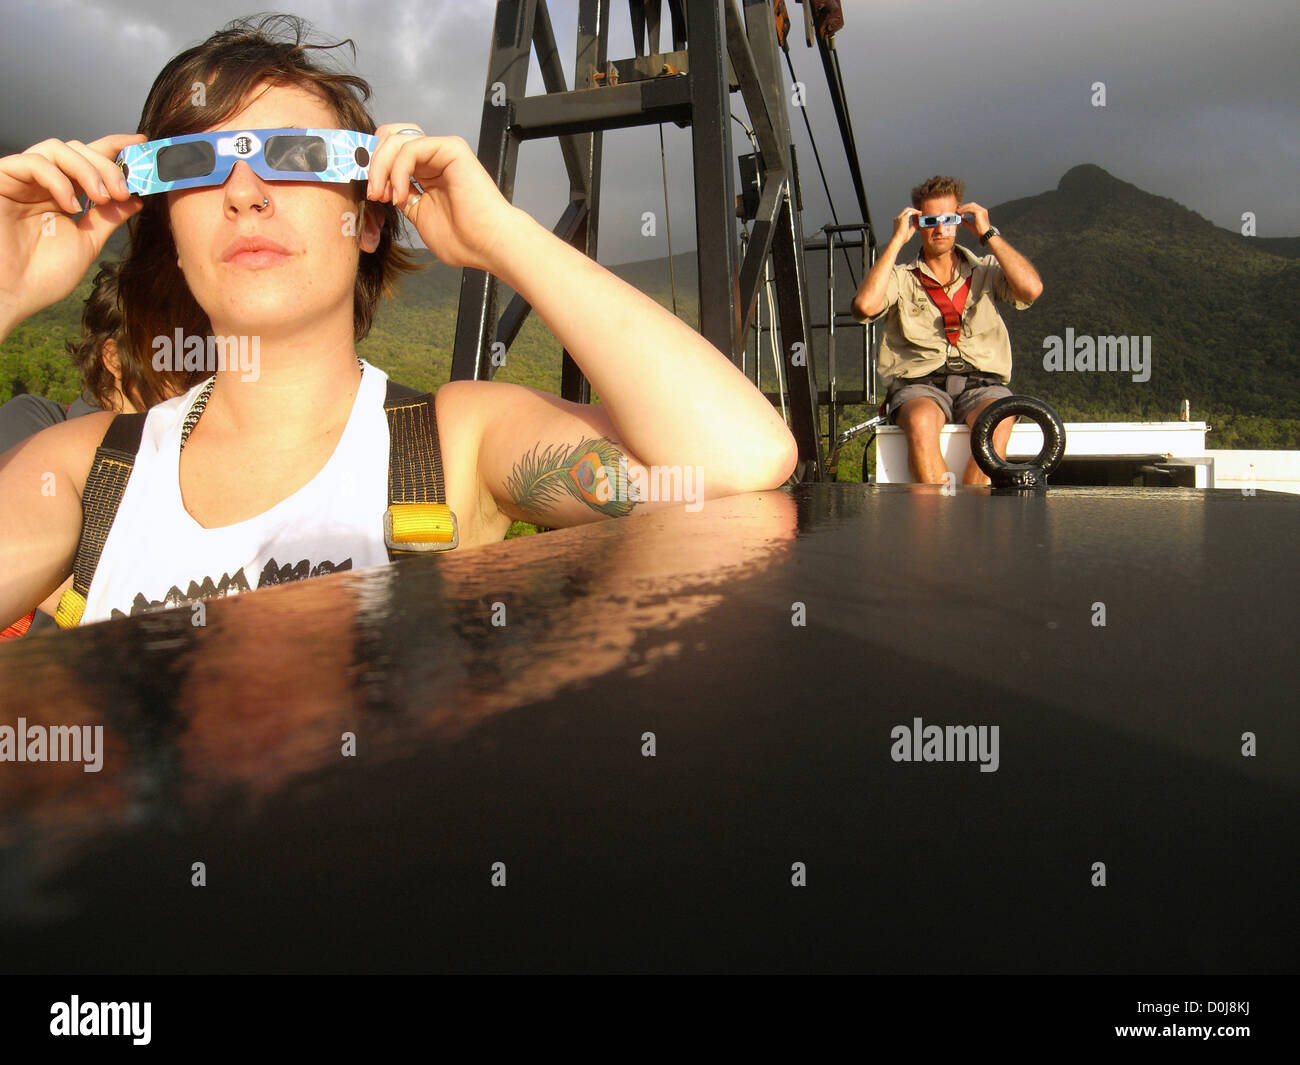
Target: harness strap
(418, 518)
(18, 628)
(951, 309)
(100, 498)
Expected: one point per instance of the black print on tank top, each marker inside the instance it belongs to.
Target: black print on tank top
(232, 584)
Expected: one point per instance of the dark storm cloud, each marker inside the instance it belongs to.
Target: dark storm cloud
(1200, 97)
(81, 69)
(1200, 100)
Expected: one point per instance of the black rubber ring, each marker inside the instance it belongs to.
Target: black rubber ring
(999, 470)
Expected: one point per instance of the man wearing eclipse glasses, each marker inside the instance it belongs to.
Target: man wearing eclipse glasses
(946, 353)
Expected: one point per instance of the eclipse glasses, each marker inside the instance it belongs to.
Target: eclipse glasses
(930, 221)
(201, 159)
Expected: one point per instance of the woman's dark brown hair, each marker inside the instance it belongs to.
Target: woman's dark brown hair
(101, 321)
(219, 74)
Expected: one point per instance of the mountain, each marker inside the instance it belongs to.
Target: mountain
(1220, 310)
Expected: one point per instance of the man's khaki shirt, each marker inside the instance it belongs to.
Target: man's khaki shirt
(914, 343)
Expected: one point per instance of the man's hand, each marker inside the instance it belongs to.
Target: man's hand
(905, 225)
(1022, 279)
(979, 224)
(461, 216)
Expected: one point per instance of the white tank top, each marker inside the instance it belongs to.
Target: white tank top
(157, 556)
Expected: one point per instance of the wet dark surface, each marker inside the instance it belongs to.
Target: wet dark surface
(522, 743)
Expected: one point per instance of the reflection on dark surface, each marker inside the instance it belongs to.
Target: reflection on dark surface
(263, 692)
(522, 742)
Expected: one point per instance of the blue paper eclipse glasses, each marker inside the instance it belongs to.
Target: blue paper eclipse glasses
(199, 159)
(930, 221)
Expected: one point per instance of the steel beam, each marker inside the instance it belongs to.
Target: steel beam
(760, 246)
(548, 59)
(638, 103)
(715, 196)
(792, 312)
(591, 51)
(498, 151)
(787, 251)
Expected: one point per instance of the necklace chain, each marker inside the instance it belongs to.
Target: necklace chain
(201, 404)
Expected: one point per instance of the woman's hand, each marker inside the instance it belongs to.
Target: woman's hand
(43, 252)
(461, 216)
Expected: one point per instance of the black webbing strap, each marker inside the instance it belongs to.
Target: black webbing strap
(414, 456)
(100, 498)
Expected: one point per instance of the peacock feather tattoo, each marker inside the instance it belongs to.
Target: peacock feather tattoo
(592, 471)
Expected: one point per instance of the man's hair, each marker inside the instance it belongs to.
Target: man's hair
(101, 320)
(226, 67)
(939, 185)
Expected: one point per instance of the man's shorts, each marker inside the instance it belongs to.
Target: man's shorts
(958, 395)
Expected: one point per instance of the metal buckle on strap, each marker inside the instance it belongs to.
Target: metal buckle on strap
(956, 363)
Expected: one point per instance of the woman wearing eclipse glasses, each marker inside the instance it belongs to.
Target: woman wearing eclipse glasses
(264, 204)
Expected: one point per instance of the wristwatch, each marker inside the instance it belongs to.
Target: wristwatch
(993, 232)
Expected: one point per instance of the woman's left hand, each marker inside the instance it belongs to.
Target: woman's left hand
(461, 215)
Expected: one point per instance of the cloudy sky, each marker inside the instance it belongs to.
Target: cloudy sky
(1200, 96)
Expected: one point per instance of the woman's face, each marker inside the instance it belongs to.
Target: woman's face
(272, 294)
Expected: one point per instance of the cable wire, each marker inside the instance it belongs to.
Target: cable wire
(820, 169)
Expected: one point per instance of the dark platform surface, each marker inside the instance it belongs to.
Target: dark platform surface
(522, 744)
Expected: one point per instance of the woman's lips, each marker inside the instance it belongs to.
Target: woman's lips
(254, 252)
(259, 259)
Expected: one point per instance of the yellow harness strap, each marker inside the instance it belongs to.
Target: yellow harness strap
(72, 604)
(413, 527)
